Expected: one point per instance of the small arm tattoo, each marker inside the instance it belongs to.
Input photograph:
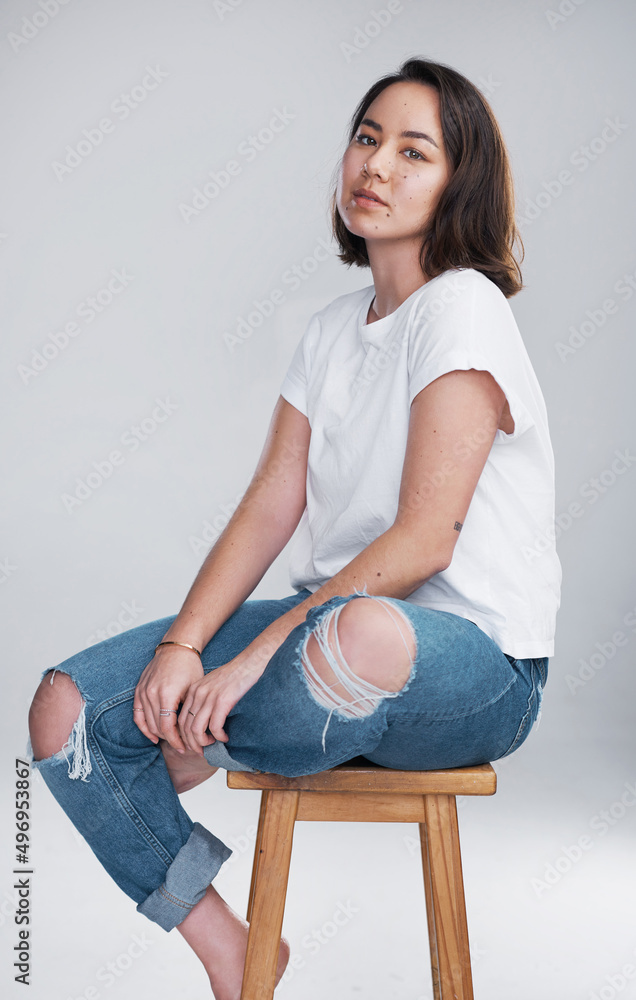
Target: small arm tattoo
(458, 526)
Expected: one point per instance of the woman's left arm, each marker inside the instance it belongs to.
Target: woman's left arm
(452, 426)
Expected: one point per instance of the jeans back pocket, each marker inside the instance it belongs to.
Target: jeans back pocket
(535, 669)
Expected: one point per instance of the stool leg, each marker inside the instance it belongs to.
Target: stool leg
(446, 906)
(272, 856)
(257, 850)
(430, 911)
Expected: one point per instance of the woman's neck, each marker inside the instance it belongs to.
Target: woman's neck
(396, 275)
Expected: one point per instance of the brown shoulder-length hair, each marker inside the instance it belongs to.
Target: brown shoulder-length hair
(473, 224)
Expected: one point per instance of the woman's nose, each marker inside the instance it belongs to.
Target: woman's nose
(379, 163)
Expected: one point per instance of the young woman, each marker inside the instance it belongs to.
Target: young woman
(409, 450)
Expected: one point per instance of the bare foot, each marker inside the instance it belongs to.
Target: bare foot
(218, 936)
(187, 769)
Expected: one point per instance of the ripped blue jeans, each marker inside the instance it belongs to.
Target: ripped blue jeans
(464, 702)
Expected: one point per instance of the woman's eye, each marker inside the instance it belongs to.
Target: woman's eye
(411, 154)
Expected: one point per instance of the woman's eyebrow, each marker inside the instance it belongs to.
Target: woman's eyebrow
(407, 135)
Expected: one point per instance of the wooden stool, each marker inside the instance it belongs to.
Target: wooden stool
(361, 792)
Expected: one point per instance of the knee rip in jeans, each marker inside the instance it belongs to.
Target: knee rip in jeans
(75, 749)
(362, 698)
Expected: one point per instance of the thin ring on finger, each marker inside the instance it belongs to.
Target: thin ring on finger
(186, 729)
(184, 715)
(150, 722)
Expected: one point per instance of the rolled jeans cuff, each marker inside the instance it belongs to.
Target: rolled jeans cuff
(187, 878)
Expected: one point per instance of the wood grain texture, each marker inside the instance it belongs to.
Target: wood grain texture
(269, 881)
(446, 893)
(360, 807)
(480, 779)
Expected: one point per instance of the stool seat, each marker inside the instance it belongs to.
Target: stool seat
(360, 791)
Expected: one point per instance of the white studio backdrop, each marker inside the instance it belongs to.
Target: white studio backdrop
(164, 239)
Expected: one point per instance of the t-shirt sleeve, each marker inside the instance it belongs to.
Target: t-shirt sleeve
(294, 385)
(467, 323)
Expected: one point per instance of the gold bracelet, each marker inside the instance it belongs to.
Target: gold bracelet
(170, 642)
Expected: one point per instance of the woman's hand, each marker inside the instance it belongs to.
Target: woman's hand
(163, 685)
(210, 699)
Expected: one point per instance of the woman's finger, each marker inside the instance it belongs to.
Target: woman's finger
(139, 718)
(185, 717)
(150, 706)
(195, 724)
(216, 723)
(204, 712)
(194, 734)
(207, 724)
(169, 729)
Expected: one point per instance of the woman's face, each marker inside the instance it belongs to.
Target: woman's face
(400, 141)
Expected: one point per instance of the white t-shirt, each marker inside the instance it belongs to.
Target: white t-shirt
(355, 383)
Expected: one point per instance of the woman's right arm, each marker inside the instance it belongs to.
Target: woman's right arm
(257, 532)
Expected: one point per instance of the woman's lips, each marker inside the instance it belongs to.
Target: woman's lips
(367, 199)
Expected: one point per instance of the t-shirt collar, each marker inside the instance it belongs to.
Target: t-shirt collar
(374, 334)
